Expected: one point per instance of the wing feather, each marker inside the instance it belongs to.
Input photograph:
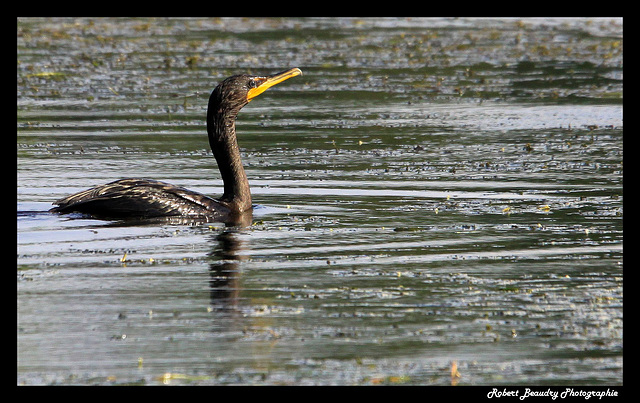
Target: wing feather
(140, 198)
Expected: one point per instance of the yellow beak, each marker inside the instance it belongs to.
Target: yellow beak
(266, 82)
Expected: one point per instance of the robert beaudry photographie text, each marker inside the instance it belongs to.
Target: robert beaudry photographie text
(554, 394)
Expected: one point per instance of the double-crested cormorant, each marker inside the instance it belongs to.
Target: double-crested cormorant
(142, 198)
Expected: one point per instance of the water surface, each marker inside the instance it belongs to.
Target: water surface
(431, 194)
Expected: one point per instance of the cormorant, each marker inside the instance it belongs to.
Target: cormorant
(145, 198)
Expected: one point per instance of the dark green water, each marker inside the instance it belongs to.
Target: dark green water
(430, 192)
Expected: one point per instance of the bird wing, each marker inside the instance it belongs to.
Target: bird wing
(139, 197)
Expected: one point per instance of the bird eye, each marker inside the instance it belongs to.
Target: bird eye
(252, 84)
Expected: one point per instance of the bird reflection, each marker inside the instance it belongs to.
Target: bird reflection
(224, 258)
(224, 266)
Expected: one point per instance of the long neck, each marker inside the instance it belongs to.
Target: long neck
(221, 126)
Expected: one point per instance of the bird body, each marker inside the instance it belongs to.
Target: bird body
(140, 198)
(146, 198)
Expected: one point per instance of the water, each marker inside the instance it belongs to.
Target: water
(433, 196)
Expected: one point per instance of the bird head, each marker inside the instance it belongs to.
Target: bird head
(236, 91)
